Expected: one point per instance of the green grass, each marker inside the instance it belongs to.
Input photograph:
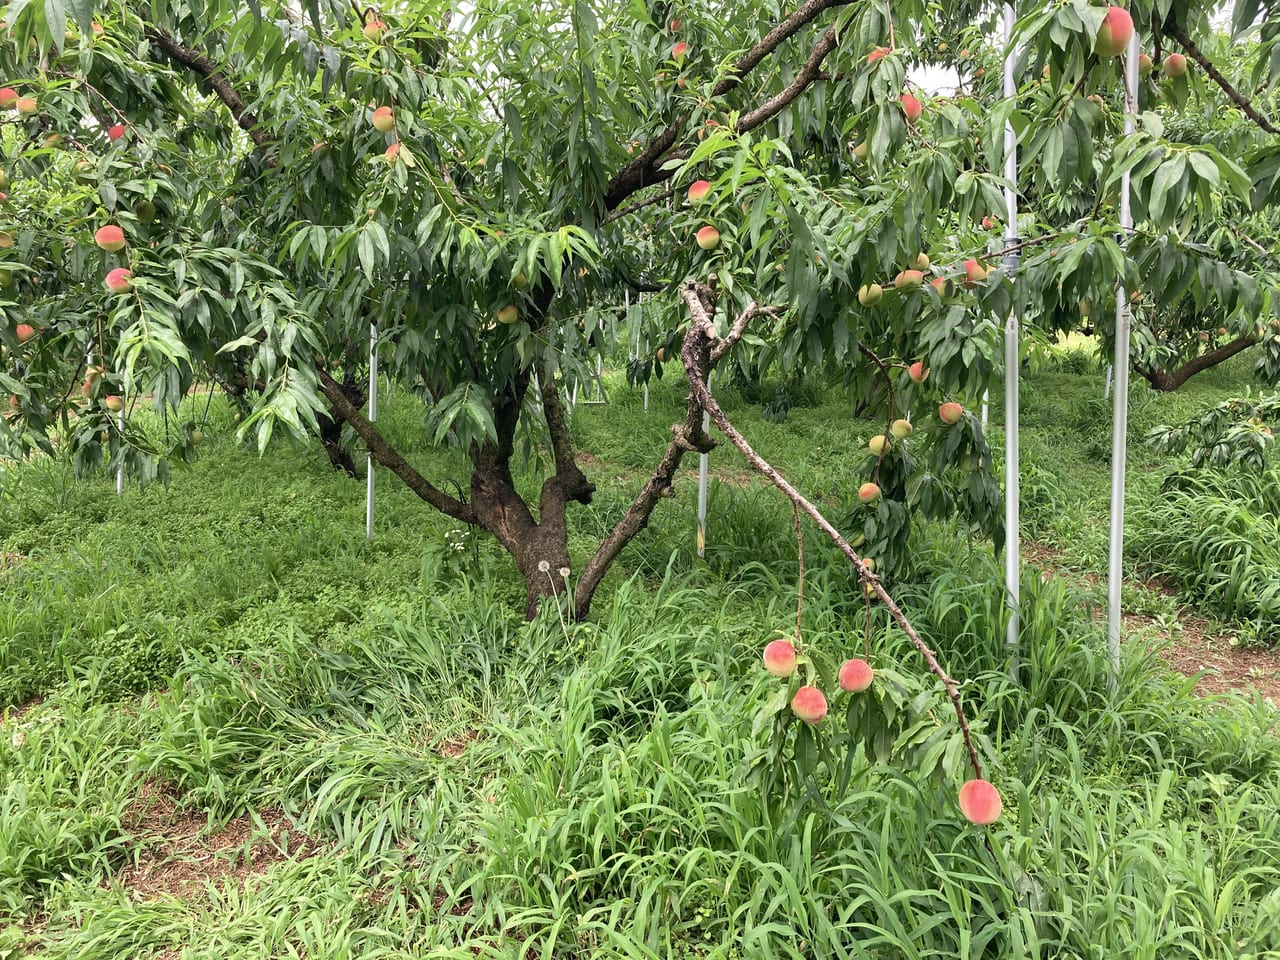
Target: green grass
(478, 786)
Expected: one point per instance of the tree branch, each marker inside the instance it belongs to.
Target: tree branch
(568, 482)
(646, 169)
(200, 64)
(701, 332)
(1167, 382)
(686, 436)
(1236, 97)
(809, 73)
(386, 455)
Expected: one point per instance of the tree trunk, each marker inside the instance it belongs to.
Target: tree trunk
(1167, 381)
(331, 429)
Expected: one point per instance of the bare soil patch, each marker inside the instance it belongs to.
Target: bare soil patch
(1198, 647)
(177, 856)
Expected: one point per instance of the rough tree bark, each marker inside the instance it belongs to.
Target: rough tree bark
(1166, 381)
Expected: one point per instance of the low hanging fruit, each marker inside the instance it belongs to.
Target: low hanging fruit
(950, 412)
(878, 444)
(114, 403)
(698, 191)
(901, 429)
(869, 492)
(383, 119)
(508, 314)
(24, 332)
(869, 294)
(908, 278)
(855, 676)
(374, 29)
(879, 53)
(679, 50)
(8, 98)
(809, 704)
(780, 658)
(114, 133)
(980, 802)
(918, 371)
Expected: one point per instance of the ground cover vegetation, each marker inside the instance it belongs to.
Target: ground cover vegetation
(532, 720)
(405, 767)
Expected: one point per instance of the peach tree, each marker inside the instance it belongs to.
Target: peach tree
(238, 192)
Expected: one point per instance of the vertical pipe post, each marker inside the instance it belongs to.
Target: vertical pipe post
(702, 486)
(1012, 373)
(124, 396)
(373, 416)
(1120, 420)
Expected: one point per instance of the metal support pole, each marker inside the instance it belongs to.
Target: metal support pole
(702, 486)
(373, 416)
(120, 424)
(1012, 374)
(1120, 423)
(1106, 387)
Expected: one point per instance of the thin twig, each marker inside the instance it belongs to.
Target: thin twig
(795, 513)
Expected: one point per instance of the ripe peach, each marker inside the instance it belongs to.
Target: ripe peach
(383, 119)
(780, 658)
(979, 800)
(855, 675)
(25, 332)
(869, 492)
(908, 278)
(120, 280)
(8, 97)
(911, 107)
(114, 403)
(1175, 65)
(918, 371)
(974, 273)
(878, 444)
(809, 705)
(698, 191)
(1113, 35)
(708, 238)
(109, 238)
(901, 429)
(115, 132)
(950, 412)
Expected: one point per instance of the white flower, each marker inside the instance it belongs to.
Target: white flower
(544, 566)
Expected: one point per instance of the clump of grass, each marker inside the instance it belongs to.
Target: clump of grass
(1217, 533)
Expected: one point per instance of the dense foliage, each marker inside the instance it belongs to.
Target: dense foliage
(485, 186)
